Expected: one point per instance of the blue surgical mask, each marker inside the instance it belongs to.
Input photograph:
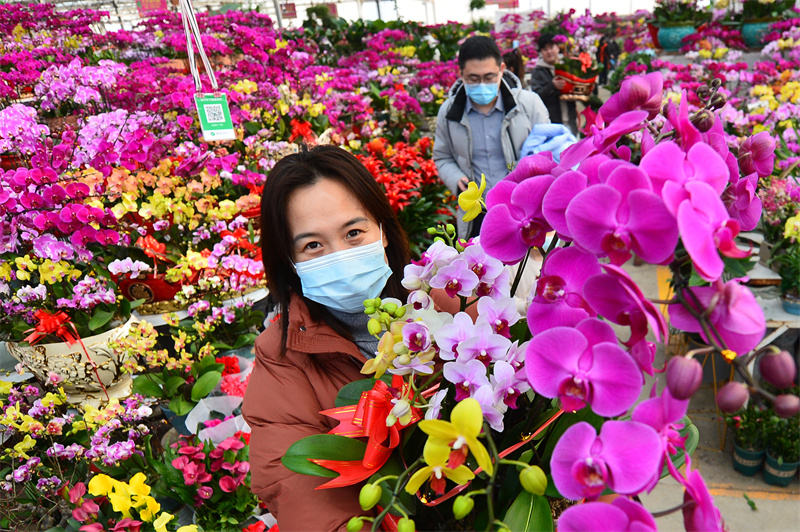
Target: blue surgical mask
(344, 279)
(481, 93)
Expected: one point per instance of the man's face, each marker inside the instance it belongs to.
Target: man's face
(482, 71)
(549, 53)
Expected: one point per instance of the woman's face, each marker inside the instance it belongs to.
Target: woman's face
(326, 217)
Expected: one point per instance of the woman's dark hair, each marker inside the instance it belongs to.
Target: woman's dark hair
(478, 47)
(304, 169)
(515, 64)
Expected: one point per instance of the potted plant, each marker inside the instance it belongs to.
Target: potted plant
(786, 256)
(783, 449)
(748, 446)
(757, 15)
(676, 19)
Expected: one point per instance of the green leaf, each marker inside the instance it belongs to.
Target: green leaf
(205, 384)
(325, 447)
(350, 393)
(143, 385)
(245, 340)
(173, 383)
(136, 302)
(205, 363)
(99, 318)
(181, 406)
(529, 512)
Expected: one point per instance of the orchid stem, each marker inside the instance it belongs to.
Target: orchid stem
(518, 276)
(668, 511)
(401, 481)
(490, 485)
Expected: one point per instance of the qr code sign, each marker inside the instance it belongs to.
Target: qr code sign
(214, 113)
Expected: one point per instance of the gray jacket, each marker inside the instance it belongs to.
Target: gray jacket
(452, 148)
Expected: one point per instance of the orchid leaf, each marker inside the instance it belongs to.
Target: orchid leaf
(147, 387)
(205, 384)
(323, 447)
(529, 512)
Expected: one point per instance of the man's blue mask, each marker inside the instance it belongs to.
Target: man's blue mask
(344, 279)
(481, 93)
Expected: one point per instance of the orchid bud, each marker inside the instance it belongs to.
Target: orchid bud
(732, 397)
(718, 101)
(369, 496)
(533, 480)
(391, 308)
(432, 230)
(374, 327)
(683, 377)
(703, 120)
(355, 524)
(400, 312)
(406, 525)
(786, 405)
(703, 92)
(778, 369)
(450, 228)
(716, 83)
(462, 506)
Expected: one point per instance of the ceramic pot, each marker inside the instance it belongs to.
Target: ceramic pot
(746, 461)
(71, 364)
(791, 305)
(779, 474)
(753, 33)
(671, 37)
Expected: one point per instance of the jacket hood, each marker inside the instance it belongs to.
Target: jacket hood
(457, 95)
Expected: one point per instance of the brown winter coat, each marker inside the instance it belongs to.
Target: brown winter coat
(282, 404)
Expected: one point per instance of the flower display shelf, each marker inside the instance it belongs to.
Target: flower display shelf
(69, 362)
(576, 87)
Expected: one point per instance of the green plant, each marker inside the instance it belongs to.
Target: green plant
(748, 426)
(783, 438)
(765, 9)
(679, 12)
(786, 256)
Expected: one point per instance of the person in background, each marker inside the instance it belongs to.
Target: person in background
(481, 126)
(548, 87)
(514, 62)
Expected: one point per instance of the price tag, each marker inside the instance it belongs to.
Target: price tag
(215, 117)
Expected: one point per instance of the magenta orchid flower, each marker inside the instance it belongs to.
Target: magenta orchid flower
(742, 202)
(559, 292)
(636, 92)
(737, 317)
(467, 377)
(757, 154)
(499, 314)
(603, 140)
(508, 383)
(583, 366)
(531, 166)
(621, 216)
(514, 221)
(622, 457)
(616, 297)
(699, 513)
(621, 515)
(706, 227)
(486, 267)
(678, 118)
(491, 408)
(416, 336)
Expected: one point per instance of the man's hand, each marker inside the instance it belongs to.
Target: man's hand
(559, 83)
(462, 183)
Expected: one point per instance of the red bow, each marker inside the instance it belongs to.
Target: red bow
(301, 129)
(367, 419)
(59, 324)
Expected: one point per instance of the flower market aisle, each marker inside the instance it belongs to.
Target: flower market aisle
(132, 283)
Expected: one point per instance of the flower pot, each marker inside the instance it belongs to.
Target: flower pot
(791, 305)
(746, 461)
(671, 37)
(71, 364)
(653, 30)
(753, 33)
(575, 86)
(779, 474)
(151, 288)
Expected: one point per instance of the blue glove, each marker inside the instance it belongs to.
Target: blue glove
(554, 138)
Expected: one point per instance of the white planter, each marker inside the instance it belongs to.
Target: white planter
(71, 364)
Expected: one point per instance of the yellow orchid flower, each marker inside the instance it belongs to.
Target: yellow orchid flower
(138, 485)
(151, 508)
(101, 485)
(435, 456)
(160, 524)
(471, 201)
(120, 499)
(461, 432)
(187, 528)
(385, 353)
(5, 387)
(792, 227)
(26, 444)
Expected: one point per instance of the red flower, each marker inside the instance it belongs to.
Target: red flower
(231, 365)
(258, 526)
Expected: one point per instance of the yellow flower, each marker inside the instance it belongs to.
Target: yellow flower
(120, 499)
(5, 271)
(187, 528)
(26, 444)
(792, 227)
(470, 200)
(385, 353)
(245, 86)
(150, 510)
(138, 485)
(719, 53)
(436, 456)
(461, 431)
(101, 485)
(160, 524)
(5, 387)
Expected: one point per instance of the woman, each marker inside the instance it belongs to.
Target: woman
(329, 241)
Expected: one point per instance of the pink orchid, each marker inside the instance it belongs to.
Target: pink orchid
(622, 515)
(636, 92)
(757, 154)
(699, 513)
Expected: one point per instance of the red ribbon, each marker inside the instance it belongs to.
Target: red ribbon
(367, 419)
(59, 324)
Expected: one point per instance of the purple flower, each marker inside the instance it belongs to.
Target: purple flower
(559, 291)
(486, 267)
(435, 404)
(455, 278)
(450, 336)
(532, 166)
(466, 376)
(583, 366)
(616, 297)
(129, 266)
(419, 300)
(742, 202)
(483, 345)
(736, 316)
(492, 408)
(621, 515)
(623, 457)
(498, 314)
(514, 221)
(416, 337)
(621, 216)
(602, 140)
(404, 365)
(508, 383)
(757, 154)
(636, 92)
(700, 514)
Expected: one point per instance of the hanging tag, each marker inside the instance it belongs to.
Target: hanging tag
(215, 117)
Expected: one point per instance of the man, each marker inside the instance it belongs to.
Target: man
(483, 123)
(548, 87)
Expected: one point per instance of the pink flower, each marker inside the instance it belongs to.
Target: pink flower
(227, 484)
(622, 515)
(636, 92)
(757, 154)
(700, 514)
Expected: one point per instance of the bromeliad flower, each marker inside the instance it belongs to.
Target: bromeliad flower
(622, 515)
(621, 216)
(436, 455)
(471, 201)
(514, 221)
(460, 434)
(583, 366)
(623, 457)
